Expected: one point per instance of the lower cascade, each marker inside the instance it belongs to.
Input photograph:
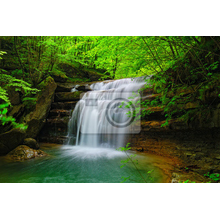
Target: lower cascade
(105, 116)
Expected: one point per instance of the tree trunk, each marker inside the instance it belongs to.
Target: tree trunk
(19, 59)
(174, 56)
(152, 54)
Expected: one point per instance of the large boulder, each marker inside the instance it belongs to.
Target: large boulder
(59, 76)
(36, 119)
(94, 75)
(10, 140)
(32, 143)
(78, 71)
(64, 87)
(24, 152)
(71, 70)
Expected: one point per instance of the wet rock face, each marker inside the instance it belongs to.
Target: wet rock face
(36, 119)
(24, 152)
(84, 88)
(67, 96)
(56, 124)
(10, 140)
(64, 87)
(63, 105)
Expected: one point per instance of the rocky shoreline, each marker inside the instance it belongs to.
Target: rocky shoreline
(193, 152)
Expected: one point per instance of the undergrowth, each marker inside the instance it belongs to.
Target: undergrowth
(188, 90)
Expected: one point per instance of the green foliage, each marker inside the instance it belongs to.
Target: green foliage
(126, 148)
(190, 86)
(7, 82)
(4, 119)
(4, 95)
(124, 179)
(134, 162)
(29, 102)
(188, 181)
(17, 72)
(119, 56)
(213, 176)
(2, 53)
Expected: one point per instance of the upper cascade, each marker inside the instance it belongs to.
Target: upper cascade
(101, 117)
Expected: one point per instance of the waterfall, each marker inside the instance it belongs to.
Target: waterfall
(101, 117)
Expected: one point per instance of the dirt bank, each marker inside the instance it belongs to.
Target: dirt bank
(189, 153)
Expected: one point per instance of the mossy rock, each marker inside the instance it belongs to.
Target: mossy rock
(76, 72)
(36, 119)
(32, 143)
(68, 96)
(59, 76)
(71, 70)
(94, 75)
(24, 152)
(46, 82)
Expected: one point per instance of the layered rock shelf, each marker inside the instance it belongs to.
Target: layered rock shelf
(56, 125)
(67, 96)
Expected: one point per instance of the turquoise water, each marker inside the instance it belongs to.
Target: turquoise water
(72, 164)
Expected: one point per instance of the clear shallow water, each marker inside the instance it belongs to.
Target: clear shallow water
(72, 164)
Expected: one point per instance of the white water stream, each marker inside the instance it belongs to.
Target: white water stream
(101, 118)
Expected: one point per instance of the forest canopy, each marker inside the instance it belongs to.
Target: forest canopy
(119, 56)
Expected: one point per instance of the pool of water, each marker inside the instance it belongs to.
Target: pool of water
(74, 164)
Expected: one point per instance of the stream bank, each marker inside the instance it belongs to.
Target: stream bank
(194, 152)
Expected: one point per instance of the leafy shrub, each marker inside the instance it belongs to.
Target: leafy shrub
(4, 119)
(29, 102)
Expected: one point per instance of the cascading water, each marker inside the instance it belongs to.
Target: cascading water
(101, 117)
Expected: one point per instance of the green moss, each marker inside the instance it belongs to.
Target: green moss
(58, 75)
(76, 79)
(44, 83)
(68, 96)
